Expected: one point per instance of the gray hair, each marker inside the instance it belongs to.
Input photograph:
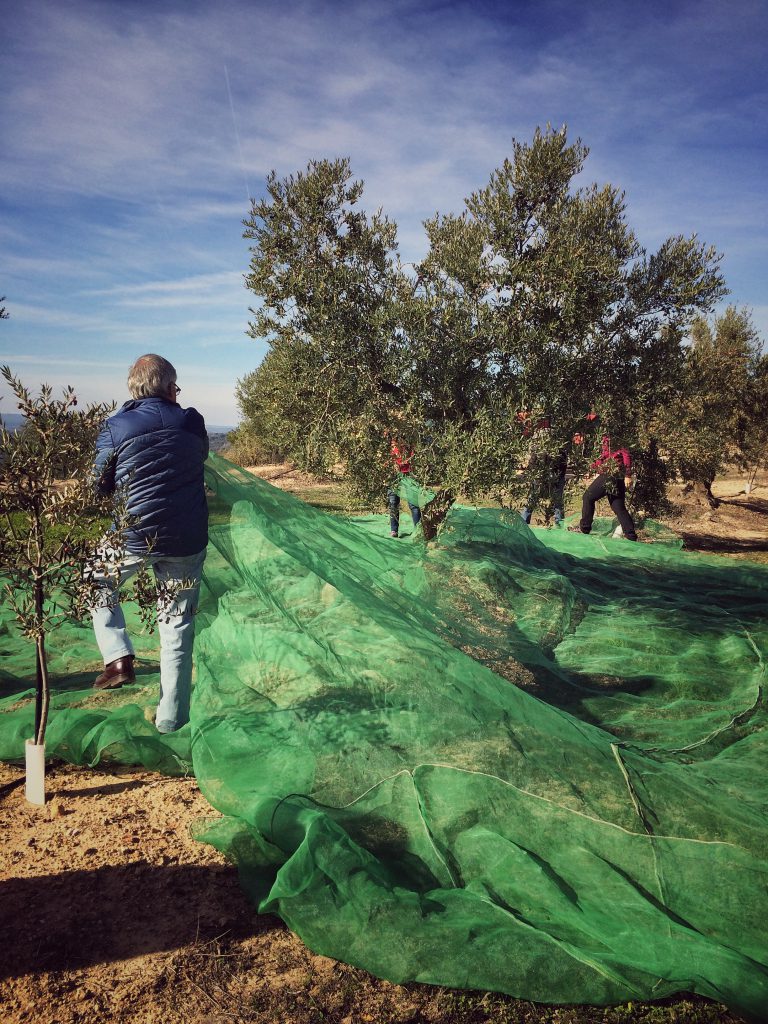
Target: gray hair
(150, 376)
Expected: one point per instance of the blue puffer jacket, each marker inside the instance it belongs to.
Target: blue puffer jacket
(157, 449)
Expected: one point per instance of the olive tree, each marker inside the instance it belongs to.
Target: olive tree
(52, 522)
(718, 415)
(265, 434)
(536, 296)
(50, 518)
(754, 444)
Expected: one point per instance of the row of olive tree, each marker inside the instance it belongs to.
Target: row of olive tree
(536, 296)
(719, 411)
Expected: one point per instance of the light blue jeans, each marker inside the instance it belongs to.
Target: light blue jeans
(175, 625)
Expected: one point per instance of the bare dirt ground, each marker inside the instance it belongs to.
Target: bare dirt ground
(738, 527)
(111, 912)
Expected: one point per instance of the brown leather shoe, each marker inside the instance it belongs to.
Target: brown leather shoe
(116, 673)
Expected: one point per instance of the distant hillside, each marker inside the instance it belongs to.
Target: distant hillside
(218, 441)
(11, 420)
(217, 434)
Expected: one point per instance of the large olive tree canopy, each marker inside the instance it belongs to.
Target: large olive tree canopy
(538, 295)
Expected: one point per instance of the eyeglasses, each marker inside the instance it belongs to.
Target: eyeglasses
(176, 388)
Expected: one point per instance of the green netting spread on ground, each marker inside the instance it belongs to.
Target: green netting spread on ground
(519, 760)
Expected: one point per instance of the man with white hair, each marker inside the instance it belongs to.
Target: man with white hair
(153, 450)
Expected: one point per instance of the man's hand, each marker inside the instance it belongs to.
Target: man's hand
(628, 482)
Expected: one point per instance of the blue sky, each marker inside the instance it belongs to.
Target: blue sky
(134, 133)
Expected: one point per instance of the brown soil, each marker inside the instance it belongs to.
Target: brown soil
(737, 526)
(111, 912)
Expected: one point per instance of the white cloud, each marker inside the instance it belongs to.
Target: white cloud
(125, 167)
(57, 318)
(220, 289)
(24, 359)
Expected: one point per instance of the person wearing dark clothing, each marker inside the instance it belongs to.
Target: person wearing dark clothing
(402, 461)
(153, 451)
(614, 476)
(548, 484)
(547, 470)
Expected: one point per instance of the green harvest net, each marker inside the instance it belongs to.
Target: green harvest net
(520, 760)
(407, 487)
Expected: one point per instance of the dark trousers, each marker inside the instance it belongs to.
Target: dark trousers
(393, 501)
(549, 489)
(598, 489)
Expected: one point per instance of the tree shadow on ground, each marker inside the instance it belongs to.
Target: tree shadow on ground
(710, 542)
(759, 505)
(75, 682)
(75, 919)
(109, 789)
